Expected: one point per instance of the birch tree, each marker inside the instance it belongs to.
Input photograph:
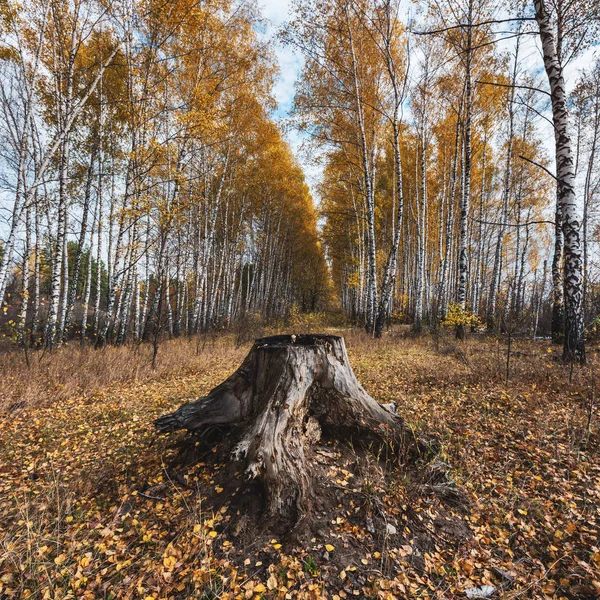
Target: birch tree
(555, 55)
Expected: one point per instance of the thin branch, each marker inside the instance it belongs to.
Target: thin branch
(538, 165)
(507, 85)
(537, 112)
(526, 224)
(465, 25)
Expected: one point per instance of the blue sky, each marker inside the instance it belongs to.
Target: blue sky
(290, 63)
(277, 12)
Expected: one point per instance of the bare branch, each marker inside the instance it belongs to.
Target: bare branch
(526, 224)
(538, 165)
(507, 85)
(467, 25)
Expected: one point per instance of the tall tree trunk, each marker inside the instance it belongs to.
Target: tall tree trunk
(88, 282)
(35, 317)
(574, 347)
(25, 277)
(81, 242)
(479, 262)
(461, 295)
(587, 196)
(391, 267)
(64, 291)
(58, 261)
(506, 191)
(421, 223)
(445, 285)
(558, 307)
(368, 182)
(540, 300)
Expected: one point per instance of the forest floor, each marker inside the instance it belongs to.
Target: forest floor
(89, 509)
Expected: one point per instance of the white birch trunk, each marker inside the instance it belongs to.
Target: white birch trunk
(574, 348)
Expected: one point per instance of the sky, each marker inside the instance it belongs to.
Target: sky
(277, 12)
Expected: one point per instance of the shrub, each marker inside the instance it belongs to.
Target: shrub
(457, 316)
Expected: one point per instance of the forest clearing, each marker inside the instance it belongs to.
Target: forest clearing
(91, 508)
(299, 299)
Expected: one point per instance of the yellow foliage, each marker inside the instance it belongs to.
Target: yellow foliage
(457, 316)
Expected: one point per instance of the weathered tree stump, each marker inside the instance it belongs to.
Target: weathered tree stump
(287, 389)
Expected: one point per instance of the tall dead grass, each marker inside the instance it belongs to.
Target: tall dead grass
(43, 378)
(440, 359)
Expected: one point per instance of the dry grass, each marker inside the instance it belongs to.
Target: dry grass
(44, 378)
(73, 456)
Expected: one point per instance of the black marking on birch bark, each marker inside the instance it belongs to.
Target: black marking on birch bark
(574, 348)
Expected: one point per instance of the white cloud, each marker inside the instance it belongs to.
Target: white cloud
(290, 63)
(277, 11)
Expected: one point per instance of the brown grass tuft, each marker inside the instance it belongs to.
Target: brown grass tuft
(45, 378)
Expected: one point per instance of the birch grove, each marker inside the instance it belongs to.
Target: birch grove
(466, 156)
(139, 143)
(148, 191)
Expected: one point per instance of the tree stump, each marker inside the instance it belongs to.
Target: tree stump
(284, 393)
